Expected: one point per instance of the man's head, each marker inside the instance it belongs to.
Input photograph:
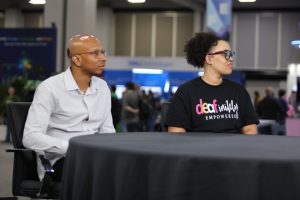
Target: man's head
(11, 91)
(113, 88)
(129, 85)
(86, 54)
(269, 91)
(281, 93)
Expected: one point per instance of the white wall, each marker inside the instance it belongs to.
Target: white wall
(105, 28)
(13, 18)
(293, 73)
(165, 63)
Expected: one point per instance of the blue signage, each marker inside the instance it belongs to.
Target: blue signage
(218, 17)
(29, 52)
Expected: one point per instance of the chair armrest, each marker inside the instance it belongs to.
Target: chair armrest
(46, 163)
(18, 150)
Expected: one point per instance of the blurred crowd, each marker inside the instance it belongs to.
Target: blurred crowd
(137, 111)
(275, 109)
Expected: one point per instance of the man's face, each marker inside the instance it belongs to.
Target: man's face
(88, 54)
(11, 91)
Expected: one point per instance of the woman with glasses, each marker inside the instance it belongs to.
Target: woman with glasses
(211, 103)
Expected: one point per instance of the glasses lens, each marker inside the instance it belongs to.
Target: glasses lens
(98, 52)
(228, 54)
(103, 52)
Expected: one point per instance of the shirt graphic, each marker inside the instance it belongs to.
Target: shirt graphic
(216, 110)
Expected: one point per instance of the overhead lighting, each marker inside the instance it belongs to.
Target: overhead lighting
(246, 1)
(167, 86)
(296, 43)
(136, 1)
(146, 71)
(37, 1)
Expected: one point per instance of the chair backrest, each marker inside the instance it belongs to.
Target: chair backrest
(17, 115)
(25, 169)
(164, 110)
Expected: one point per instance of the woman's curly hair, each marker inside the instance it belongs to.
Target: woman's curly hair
(198, 47)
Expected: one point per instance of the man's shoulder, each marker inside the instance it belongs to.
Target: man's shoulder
(52, 80)
(98, 81)
(55, 77)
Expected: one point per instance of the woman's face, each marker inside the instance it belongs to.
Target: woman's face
(220, 58)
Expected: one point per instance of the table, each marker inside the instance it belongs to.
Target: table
(168, 166)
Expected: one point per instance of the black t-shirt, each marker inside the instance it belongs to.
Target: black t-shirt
(200, 107)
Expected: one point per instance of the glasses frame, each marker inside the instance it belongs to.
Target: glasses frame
(227, 54)
(95, 53)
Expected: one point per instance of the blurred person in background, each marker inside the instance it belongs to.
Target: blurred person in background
(145, 111)
(257, 99)
(269, 108)
(293, 101)
(282, 116)
(116, 108)
(11, 97)
(130, 107)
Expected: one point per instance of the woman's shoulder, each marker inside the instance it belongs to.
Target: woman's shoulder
(189, 85)
(233, 84)
(192, 82)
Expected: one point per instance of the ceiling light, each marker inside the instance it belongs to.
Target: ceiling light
(296, 43)
(37, 1)
(146, 71)
(246, 1)
(136, 1)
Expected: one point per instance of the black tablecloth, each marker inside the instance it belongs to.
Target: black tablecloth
(165, 166)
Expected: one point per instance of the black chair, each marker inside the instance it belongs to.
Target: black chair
(25, 179)
(164, 110)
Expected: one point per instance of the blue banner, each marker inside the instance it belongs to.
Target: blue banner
(29, 52)
(218, 17)
(117, 77)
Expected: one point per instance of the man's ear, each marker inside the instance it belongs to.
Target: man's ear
(76, 60)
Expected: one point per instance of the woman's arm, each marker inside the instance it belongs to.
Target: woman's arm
(250, 129)
(176, 129)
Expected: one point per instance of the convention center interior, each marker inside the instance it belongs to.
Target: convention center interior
(150, 99)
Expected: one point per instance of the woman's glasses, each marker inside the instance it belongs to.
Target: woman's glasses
(227, 54)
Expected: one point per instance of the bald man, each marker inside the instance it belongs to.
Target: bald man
(73, 103)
